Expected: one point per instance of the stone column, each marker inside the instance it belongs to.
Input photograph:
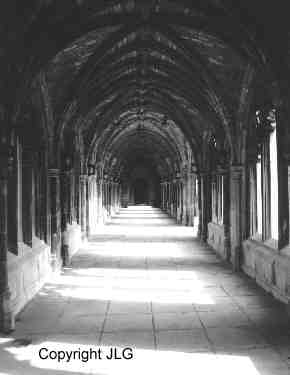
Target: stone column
(204, 204)
(184, 200)
(195, 198)
(28, 191)
(113, 198)
(162, 195)
(7, 321)
(190, 199)
(66, 199)
(175, 198)
(19, 194)
(83, 204)
(66, 213)
(72, 208)
(165, 196)
(105, 200)
(283, 161)
(180, 194)
(236, 214)
(172, 198)
(226, 214)
(92, 204)
(87, 212)
(214, 198)
(54, 185)
(169, 197)
(100, 201)
(109, 199)
(47, 205)
(266, 197)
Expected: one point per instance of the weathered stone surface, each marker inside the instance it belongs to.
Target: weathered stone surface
(216, 239)
(268, 267)
(28, 273)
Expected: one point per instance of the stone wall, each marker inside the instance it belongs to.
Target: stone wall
(270, 268)
(216, 239)
(27, 273)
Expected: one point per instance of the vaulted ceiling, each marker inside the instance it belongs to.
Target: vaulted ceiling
(145, 77)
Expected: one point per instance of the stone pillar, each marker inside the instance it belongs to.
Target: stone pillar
(172, 198)
(54, 185)
(180, 194)
(190, 199)
(175, 198)
(100, 201)
(266, 197)
(105, 200)
(195, 198)
(28, 191)
(66, 199)
(283, 161)
(168, 197)
(162, 195)
(7, 320)
(236, 214)
(92, 204)
(214, 198)
(226, 215)
(109, 199)
(184, 200)
(204, 205)
(83, 204)
(72, 208)
(66, 213)
(87, 212)
(165, 196)
(113, 198)
(47, 207)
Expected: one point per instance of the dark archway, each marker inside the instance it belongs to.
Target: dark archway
(141, 191)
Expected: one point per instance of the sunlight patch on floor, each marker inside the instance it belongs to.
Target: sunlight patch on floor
(129, 285)
(143, 362)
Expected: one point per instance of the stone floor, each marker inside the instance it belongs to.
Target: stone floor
(146, 283)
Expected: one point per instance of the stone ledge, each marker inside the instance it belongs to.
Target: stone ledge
(270, 269)
(26, 253)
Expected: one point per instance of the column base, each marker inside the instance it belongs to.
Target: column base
(235, 260)
(65, 255)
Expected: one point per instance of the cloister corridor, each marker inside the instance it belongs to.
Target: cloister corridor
(147, 283)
